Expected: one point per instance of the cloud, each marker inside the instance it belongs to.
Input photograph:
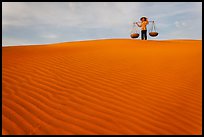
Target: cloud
(48, 22)
(86, 14)
(50, 36)
(180, 24)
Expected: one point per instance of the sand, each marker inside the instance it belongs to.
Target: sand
(113, 86)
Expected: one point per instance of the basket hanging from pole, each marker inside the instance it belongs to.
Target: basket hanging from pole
(153, 32)
(134, 32)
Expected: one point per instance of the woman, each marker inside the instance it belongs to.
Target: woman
(143, 26)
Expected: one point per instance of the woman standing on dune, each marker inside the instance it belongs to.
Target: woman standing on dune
(143, 26)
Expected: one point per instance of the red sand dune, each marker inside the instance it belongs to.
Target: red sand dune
(116, 86)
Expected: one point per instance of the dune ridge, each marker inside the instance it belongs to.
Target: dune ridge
(114, 86)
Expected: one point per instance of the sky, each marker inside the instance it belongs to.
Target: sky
(27, 23)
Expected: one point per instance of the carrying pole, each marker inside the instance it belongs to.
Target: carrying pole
(141, 22)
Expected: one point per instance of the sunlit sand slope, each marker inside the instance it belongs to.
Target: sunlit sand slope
(115, 86)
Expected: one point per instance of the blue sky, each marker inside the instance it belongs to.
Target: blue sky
(50, 22)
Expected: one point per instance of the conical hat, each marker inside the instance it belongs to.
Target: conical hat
(143, 17)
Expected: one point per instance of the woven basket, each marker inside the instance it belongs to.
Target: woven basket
(134, 35)
(153, 34)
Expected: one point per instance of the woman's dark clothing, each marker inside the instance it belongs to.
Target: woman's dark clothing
(144, 34)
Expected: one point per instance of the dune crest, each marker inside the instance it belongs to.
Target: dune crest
(115, 86)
